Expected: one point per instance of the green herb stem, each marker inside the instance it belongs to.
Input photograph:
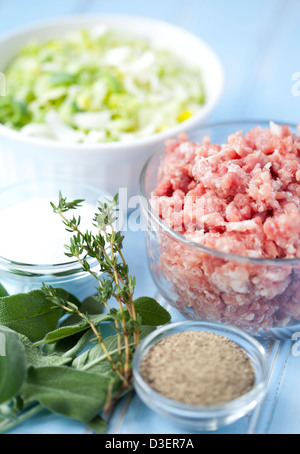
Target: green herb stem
(8, 425)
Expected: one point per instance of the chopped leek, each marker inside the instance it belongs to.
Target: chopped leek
(98, 86)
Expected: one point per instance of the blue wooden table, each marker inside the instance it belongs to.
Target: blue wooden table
(258, 43)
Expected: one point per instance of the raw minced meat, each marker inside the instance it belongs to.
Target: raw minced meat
(241, 198)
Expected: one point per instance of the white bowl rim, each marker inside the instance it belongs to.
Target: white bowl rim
(153, 139)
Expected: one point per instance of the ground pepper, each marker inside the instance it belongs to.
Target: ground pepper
(198, 368)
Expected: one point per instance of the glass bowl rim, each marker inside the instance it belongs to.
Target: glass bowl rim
(44, 268)
(146, 206)
(195, 410)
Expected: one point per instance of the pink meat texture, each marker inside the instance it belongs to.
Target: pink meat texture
(240, 198)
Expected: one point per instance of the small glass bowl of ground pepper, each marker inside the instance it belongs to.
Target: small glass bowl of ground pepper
(200, 375)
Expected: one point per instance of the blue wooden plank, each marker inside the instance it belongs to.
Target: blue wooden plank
(19, 13)
(271, 94)
(165, 10)
(278, 354)
(240, 32)
(285, 417)
(50, 424)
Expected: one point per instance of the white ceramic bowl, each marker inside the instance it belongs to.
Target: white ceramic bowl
(109, 165)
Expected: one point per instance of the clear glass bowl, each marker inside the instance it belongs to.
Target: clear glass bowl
(23, 277)
(188, 275)
(209, 418)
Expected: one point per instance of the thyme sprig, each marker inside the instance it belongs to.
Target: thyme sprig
(113, 280)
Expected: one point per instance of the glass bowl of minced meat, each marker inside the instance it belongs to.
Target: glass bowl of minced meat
(222, 207)
(96, 93)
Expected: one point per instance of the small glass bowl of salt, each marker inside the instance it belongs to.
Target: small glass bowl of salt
(182, 369)
(32, 236)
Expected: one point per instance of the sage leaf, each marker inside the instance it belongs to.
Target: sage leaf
(151, 312)
(92, 305)
(67, 331)
(13, 368)
(62, 333)
(79, 345)
(30, 314)
(3, 292)
(95, 359)
(72, 393)
(70, 346)
(97, 425)
(36, 358)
